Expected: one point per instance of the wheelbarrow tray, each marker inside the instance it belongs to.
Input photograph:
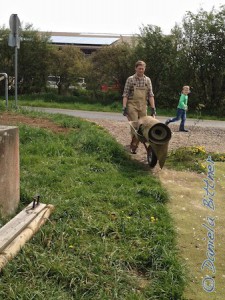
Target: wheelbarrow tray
(151, 156)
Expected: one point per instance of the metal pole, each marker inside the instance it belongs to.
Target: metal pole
(14, 41)
(16, 74)
(16, 31)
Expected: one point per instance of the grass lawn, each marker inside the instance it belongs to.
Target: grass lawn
(110, 236)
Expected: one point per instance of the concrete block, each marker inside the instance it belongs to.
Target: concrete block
(9, 170)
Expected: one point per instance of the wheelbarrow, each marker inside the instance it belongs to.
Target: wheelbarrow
(155, 137)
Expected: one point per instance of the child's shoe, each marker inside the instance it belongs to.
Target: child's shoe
(167, 121)
(184, 130)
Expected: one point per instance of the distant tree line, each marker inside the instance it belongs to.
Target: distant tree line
(193, 54)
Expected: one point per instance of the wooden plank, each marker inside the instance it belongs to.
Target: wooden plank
(15, 246)
(14, 227)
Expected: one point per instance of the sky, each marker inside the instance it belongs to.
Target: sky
(102, 16)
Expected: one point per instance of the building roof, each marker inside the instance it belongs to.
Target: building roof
(89, 42)
(82, 40)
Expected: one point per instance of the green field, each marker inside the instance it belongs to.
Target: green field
(110, 236)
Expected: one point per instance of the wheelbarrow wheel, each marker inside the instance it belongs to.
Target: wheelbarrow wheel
(151, 157)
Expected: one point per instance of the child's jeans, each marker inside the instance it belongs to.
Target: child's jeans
(181, 114)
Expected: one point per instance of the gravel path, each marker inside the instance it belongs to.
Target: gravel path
(212, 139)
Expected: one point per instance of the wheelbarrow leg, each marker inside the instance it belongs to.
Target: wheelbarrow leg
(134, 145)
(151, 157)
(146, 147)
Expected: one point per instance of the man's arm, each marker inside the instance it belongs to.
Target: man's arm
(125, 99)
(125, 112)
(152, 106)
(151, 99)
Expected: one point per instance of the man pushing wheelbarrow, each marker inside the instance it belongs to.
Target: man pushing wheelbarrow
(138, 93)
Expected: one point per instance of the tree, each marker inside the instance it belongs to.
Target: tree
(6, 56)
(34, 55)
(201, 47)
(33, 58)
(160, 54)
(69, 63)
(112, 64)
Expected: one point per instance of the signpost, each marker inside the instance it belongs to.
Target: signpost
(14, 41)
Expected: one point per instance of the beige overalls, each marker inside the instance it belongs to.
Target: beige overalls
(137, 108)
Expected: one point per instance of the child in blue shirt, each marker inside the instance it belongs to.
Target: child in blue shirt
(181, 109)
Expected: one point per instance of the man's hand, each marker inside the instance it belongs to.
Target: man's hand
(125, 112)
(153, 112)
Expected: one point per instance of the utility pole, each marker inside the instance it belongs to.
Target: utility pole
(14, 41)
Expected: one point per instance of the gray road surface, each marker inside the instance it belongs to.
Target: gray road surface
(119, 117)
